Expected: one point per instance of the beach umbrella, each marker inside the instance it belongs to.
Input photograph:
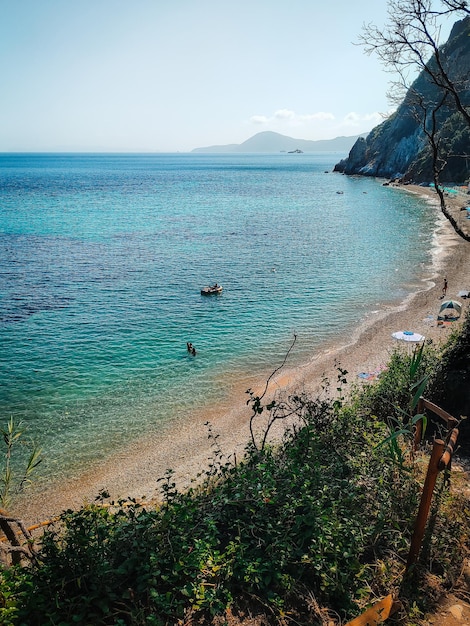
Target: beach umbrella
(407, 335)
(450, 309)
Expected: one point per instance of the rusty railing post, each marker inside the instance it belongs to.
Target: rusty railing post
(425, 503)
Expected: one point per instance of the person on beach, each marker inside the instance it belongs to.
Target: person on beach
(444, 288)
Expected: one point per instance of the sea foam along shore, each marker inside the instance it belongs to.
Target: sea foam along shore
(186, 448)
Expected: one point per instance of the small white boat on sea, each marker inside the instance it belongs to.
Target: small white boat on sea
(209, 291)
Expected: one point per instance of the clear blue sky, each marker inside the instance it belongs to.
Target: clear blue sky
(173, 75)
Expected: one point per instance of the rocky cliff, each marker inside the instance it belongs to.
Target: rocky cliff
(399, 149)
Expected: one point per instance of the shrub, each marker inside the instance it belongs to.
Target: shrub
(325, 514)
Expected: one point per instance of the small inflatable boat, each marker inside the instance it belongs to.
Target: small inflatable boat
(209, 291)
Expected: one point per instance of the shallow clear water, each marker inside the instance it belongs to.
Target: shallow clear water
(102, 259)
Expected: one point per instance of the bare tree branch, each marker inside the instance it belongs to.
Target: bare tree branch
(409, 46)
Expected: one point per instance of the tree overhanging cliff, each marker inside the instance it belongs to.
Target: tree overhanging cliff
(400, 147)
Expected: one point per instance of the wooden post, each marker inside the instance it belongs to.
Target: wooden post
(446, 459)
(425, 504)
(17, 538)
(424, 404)
(449, 419)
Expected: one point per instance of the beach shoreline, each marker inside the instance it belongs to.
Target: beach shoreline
(186, 448)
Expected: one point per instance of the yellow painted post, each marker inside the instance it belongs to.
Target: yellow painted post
(376, 614)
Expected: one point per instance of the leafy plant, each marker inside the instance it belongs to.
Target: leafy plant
(10, 582)
(341, 381)
(13, 482)
(403, 423)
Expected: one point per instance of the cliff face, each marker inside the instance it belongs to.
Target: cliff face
(399, 148)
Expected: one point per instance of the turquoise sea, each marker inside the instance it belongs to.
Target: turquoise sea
(102, 259)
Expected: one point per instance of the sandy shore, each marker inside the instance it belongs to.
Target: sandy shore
(186, 449)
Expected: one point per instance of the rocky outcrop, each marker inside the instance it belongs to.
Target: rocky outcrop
(398, 148)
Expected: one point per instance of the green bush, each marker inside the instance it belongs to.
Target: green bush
(310, 513)
(326, 513)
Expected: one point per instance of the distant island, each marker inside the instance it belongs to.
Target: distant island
(269, 141)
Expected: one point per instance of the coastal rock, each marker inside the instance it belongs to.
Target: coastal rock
(398, 148)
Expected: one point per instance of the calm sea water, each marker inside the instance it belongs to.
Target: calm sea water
(102, 259)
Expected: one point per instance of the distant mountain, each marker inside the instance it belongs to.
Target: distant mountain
(399, 149)
(268, 141)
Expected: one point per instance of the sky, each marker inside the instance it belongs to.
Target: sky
(174, 75)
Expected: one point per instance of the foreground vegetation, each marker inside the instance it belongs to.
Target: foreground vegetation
(314, 527)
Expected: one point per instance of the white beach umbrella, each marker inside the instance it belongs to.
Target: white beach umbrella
(407, 335)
